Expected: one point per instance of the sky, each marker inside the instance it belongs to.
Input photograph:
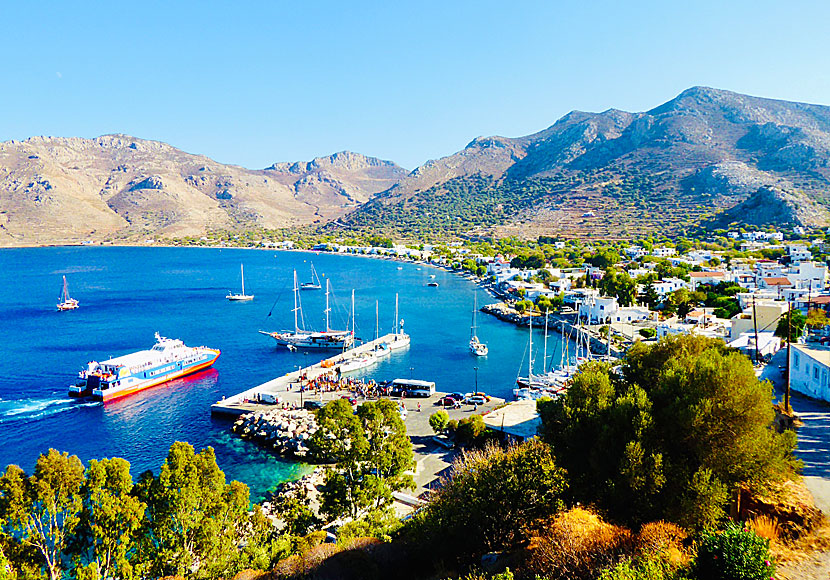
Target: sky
(253, 83)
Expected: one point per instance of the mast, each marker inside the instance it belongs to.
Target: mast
(296, 307)
(65, 293)
(530, 350)
(242, 271)
(474, 327)
(545, 351)
(377, 323)
(328, 310)
(396, 314)
(353, 313)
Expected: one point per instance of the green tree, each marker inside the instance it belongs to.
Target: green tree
(40, 512)
(110, 517)
(371, 452)
(438, 421)
(194, 519)
(797, 324)
(682, 428)
(817, 318)
(650, 297)
(493, 496)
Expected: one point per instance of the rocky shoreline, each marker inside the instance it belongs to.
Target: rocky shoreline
(285, 431)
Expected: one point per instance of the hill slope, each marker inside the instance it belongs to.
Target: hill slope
(616, 174)
(55, 190)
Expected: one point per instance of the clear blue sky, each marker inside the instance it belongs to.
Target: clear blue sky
(256, 82)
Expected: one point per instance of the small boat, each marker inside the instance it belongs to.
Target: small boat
(477, 347)
(117, 377)
(432, 275)
(314, 284)
(66, 303)
(432, 284)
(242, 297)
(355, 363)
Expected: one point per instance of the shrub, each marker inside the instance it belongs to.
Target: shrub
(576, 545)
(766, 527)
(651, 566)
(438, 421)
(736, 553)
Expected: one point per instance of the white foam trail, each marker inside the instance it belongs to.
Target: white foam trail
(27, 409)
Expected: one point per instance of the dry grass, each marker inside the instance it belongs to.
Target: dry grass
(575, 545)
(663, 537)
(766, 527)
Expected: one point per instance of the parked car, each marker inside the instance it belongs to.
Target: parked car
(312, 405)
(475, 400)
(448, 401)
(350, 399)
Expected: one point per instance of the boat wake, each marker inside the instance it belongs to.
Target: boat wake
(29, 409)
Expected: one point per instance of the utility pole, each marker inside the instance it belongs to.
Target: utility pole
(755, 323)
(789, 358)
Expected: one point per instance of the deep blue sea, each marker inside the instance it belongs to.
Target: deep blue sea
(128, 294)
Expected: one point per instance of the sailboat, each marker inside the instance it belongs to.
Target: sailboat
(66, 303)
(401, 339)
(302, 338)
(381, 349)
(477, 347)
(242, 296)
(314, 284)
(549, 384)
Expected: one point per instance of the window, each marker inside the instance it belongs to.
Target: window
(795, 360)
(815, 373)
(824, 377)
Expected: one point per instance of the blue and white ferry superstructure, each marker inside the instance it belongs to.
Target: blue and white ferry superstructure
(120, 376)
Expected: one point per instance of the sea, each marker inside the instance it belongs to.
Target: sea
(127, 294)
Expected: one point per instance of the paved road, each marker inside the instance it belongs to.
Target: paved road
(813, 438)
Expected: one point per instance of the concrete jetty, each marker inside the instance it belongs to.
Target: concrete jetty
(286, 387)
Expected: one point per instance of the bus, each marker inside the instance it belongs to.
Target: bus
(411, 388)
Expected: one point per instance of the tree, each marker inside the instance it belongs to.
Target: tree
(438, 421)
(110, 517)
(193, 518)
(796, 329)
(40, 512)
(371, 452)
(685, 426)
(492, 496)
(650, 297)
(817, 318)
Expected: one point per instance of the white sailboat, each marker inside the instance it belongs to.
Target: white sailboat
(65, 302)
(241, 297)
(381, 349)
(314, 284)
(302, 338)
(401, 339)
(548, 384)
(477, 347)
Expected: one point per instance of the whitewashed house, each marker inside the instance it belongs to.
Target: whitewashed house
(810, 370)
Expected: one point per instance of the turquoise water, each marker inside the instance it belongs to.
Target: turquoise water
(127, 294)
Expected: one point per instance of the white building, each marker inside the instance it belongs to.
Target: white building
(703, 278)
(799, 253)
(768, 344)
(663, 252)
(598, 309)
(810, 370)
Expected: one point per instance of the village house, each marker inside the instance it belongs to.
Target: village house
(768, 344)
(702, 278)
(810, 370)
(767, 313)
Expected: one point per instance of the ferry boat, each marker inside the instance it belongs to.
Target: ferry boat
(120, 376)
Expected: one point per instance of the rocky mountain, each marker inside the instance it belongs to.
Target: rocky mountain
(120, 188)
(707, 154)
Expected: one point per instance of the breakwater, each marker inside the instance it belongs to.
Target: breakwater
(285, 431)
